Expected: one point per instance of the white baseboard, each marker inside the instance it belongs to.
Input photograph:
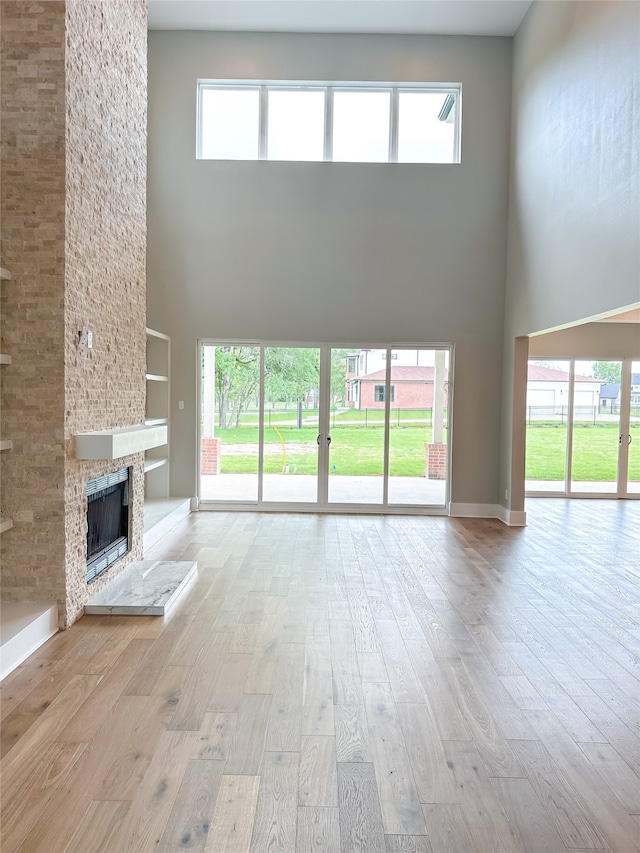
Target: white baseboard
(512, 518)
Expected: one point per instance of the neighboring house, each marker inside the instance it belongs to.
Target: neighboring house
(635, 389)
(609, 396)
(549, 387)
(411, 388)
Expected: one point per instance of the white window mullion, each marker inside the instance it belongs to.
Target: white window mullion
(457, 149)
(264, 106)
(393, 127)
(328, 124)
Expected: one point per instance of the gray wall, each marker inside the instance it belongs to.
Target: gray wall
(341, 253)
(574, 208)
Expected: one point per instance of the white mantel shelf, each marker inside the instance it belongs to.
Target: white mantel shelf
(114, 443)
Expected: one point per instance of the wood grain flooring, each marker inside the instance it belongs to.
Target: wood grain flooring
(347, 684)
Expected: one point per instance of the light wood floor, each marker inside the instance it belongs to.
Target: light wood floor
(347, 683)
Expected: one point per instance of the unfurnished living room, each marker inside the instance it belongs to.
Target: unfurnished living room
(320, 426)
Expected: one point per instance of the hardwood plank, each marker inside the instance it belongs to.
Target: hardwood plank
(352, 734)
(372, 667)
(247, 745)
(22, 804)
(405, 686)
(534, 827)
(200, 686)
(139, 739)
(232, 822)
(317, 705)
(86, 721)
(16, 766)
(571, 819)
(52, 829)
(433, 777)
(611, 818)
(490, 829)
(276, 814)
(99, 826)
(442, 700)
(14, 727)
(318, 830)
(318, 785)
(214, 739)
(152, 804)
(399, 800)
(407, 844)
(360, 817)
(227, 692)
(284, 731)
(449, 830)
(616, 773)
(188, 824)
(347, 687)
(263, 660)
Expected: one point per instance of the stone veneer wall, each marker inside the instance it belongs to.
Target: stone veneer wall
(105, 251)
(100, 243)
(32, 192)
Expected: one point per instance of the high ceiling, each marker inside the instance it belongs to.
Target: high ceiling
(431, 17)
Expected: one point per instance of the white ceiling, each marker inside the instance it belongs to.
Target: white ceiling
(432, 17)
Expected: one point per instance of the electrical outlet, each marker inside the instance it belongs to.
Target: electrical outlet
(506, 494)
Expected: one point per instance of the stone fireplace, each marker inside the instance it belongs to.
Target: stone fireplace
(73, 206)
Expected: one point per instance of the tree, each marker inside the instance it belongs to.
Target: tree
(609, 371)
(291, 373)
(237, 371)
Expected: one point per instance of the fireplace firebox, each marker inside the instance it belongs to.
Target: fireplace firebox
(107, 521)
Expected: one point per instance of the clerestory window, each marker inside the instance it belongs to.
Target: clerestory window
(353, 123)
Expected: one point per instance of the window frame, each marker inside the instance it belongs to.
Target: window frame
(329, 89)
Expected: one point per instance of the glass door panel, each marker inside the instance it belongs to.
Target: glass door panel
(291, 424)
(230, 391)
(357, 419)
(633, 438)
(547, 425)
(418, 457)
(596, 427)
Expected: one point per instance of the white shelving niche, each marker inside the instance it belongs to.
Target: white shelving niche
(5, 443)
(156, 465)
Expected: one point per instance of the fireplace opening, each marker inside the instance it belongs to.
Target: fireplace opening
(107, 521)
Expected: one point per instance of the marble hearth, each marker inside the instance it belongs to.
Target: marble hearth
(144, 588)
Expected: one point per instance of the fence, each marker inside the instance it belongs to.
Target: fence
(581, 414)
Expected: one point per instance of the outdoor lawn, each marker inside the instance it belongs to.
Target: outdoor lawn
(595, 452)
(354, 450)
(357, 450)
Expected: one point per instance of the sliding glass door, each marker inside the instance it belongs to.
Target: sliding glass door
(329, 427)
(582, 417)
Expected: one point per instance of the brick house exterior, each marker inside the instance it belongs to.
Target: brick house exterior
(411, 388)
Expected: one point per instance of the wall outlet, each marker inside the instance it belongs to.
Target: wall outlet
(506, 494)
(181, 404)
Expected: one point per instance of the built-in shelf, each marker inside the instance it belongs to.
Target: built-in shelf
(6, 444)
(5, 524)
(115, 443)
(157, 413)
(5, 275)
(150, 463)
(4, 358)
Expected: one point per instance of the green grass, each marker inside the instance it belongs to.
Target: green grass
(355, 450)
(595, 452)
